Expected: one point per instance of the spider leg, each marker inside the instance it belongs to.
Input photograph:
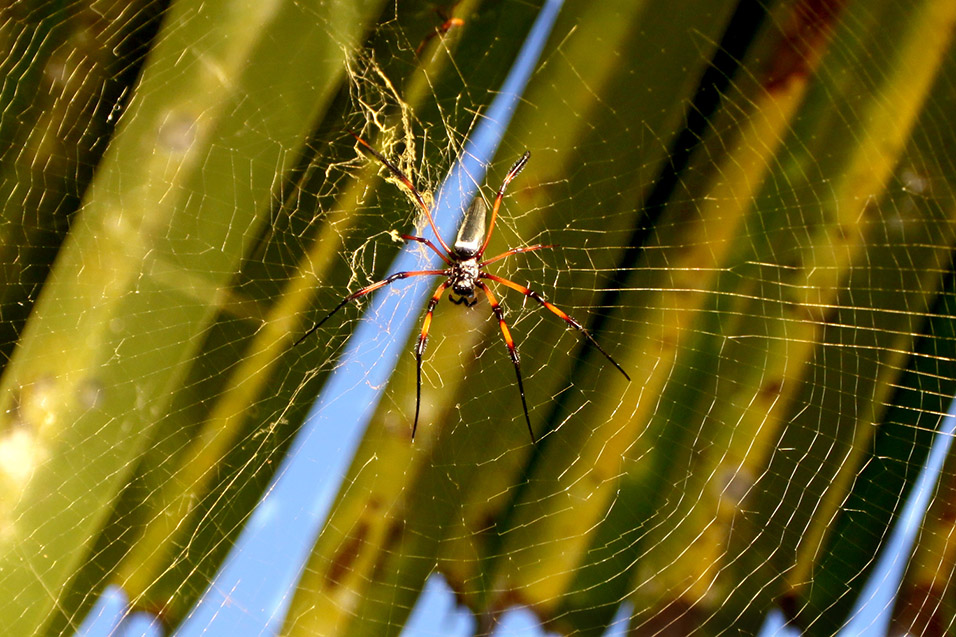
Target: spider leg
(446, 26)
(370, 288)
(398, 174)
(501, 193)
(515, 251)
(512, 350)
(420, 348)
(556, 311)
(411, 237)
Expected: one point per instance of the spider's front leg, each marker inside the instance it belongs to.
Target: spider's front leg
(531, 294)
(512, 350)
(420, 348)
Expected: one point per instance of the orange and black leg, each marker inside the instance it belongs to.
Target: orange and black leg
(398, 174)
(515, 251)
(512, 350)
(371, 288)
(420, 348)
(411, 237)
(447, 25)
(501, 193)
(556, 311)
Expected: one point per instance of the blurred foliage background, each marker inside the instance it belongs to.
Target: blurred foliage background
(755, 212)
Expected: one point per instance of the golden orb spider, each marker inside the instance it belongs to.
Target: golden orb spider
(465, 272)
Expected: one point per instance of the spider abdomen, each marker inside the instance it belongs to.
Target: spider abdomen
(472, 231)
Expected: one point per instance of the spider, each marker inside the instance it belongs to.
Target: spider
(465, 273)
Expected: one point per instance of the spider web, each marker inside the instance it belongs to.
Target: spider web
(752, 211)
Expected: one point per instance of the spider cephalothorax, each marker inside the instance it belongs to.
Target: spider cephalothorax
(465, 273)
(463, 277)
